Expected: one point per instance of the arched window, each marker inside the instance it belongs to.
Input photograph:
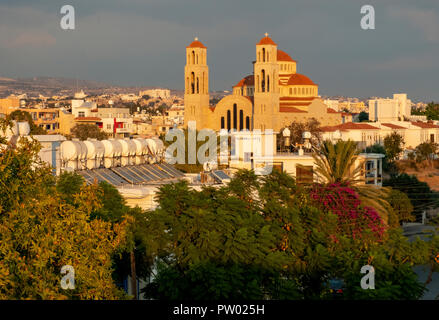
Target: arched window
(268, 83)
(241, 120)
(222, 123)
(198, 85)
(235, 116)
(258, 88)
(291, 91)
(263, 54)
(193, 57)
(263, 80)
(187, 85)
(295, 91)
(197, 58)
(228, 120)
(247, 123)
(268, 56)
(192, 82)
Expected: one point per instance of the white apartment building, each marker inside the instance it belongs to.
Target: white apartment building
(367, 134)
(116, 121)
(397, 108)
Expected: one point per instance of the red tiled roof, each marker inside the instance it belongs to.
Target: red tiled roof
(88, 119)
(425, 125)
(351, 126)
(300, 79)
(266, 40)
(290, 109)
(250, 98)
(247, 81)
(283, 56)
(330, 110)
(296, 98)
(197, 44)
(330, 129)
(393, 126)
(286, 104)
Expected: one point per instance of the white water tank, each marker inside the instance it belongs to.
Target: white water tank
(141, 150)
(82, 155)
(95, 151)
(69, 150)
(11, 131)
(152, 146)
(132, 147)
(160, 145)
(23, 128)
(140, 146)
(125, 147)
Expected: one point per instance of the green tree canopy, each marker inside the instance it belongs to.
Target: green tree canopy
(84, 131)
(432, 111)
(21, 115)
(40, 232)
(394, 145)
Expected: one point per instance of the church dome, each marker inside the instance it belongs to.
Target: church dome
(283, 56)
(300, 79)
(247, 81)
(267, 40)
(197, 44)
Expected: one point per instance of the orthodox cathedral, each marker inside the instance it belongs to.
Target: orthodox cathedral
(272, 97)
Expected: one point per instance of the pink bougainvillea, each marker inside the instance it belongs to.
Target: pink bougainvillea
(353, 219)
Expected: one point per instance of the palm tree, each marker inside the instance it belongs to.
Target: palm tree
(336, 162)
(339, 163)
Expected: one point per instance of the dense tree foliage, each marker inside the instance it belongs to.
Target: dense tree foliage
(21, 115)
(84, 131)
(298, 128)
(40, 231)
(266, 237)
(432, 111)
(394, 145)
(363, 116)
(426, 151)
(419, 193)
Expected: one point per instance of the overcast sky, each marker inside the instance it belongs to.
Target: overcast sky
(135, 42)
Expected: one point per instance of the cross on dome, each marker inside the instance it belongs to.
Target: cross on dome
(196, 38)
(266, 34)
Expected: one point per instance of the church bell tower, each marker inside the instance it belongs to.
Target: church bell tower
(196, 95)
(266, 96)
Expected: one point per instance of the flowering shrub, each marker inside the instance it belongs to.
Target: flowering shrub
(353, 219)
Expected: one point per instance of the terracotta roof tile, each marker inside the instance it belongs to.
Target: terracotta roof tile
(283, 56)
(247, 81)
(350, 126)
(196, 44)
(300, 79)
(266, 40)
(393, 126)
(424, 125)
(290, 109)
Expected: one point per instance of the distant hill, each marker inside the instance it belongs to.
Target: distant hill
(49, 86)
